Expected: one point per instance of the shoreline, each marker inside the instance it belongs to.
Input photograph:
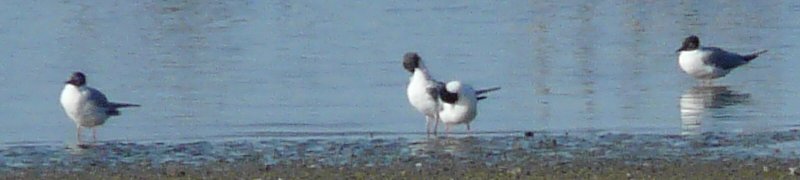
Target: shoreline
(542, 155)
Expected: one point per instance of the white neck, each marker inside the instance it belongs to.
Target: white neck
(422, 73)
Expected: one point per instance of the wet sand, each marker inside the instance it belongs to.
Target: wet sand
(539, 156)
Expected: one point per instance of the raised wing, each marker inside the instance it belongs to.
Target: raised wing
(434, 88)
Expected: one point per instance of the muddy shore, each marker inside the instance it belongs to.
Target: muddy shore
(771, 155)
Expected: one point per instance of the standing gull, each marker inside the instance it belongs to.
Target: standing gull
(423, 90)
(708, 63)
(460, 103)
(87, 106)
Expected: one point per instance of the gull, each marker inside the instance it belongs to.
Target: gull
(423, 90)
(87, 106)
(460, 103)
(708, 63)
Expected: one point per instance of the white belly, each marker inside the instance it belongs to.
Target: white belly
(457, 114)
(82, 113)
(419, 97)
(691, 62)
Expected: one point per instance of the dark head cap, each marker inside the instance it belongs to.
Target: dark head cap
(411, 61)
(690, 43)
(77, 79)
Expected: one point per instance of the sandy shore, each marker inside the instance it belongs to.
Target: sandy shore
(540, 156)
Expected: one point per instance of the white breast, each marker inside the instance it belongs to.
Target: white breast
(692, 62)
(70, 101)
(418, 94)
(74, 101)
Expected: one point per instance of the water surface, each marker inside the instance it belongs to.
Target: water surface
(276, 69)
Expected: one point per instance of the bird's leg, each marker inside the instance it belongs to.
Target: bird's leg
(468, 131)
(428, 126)
(446, 129)
(706, 83)
(78, 135)
(94, 136)
(436, 124)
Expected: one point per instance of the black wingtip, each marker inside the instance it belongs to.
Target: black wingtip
(754, 55)
(123, 105)
(482, 91)
(113, 112)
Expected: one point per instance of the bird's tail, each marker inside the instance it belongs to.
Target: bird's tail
(754, 55)
(123, 105)
(112, 111)
(483, 91)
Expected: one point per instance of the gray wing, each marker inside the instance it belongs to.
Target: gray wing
(724, 59)
(97, 98)
(434, 88)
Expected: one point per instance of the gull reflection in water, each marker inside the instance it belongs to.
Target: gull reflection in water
(706, 101)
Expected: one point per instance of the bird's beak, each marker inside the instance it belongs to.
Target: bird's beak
(680, 49)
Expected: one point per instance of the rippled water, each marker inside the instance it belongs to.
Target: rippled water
(254, 69)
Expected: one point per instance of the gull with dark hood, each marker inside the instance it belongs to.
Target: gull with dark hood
(707, 63)
(87, 106)
(423, 90)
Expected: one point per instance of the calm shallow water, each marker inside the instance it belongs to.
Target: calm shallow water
(240, 69)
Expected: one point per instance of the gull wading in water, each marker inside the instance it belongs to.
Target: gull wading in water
(706, 63)
(423, 90)
(87, 106)
(460, 103)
